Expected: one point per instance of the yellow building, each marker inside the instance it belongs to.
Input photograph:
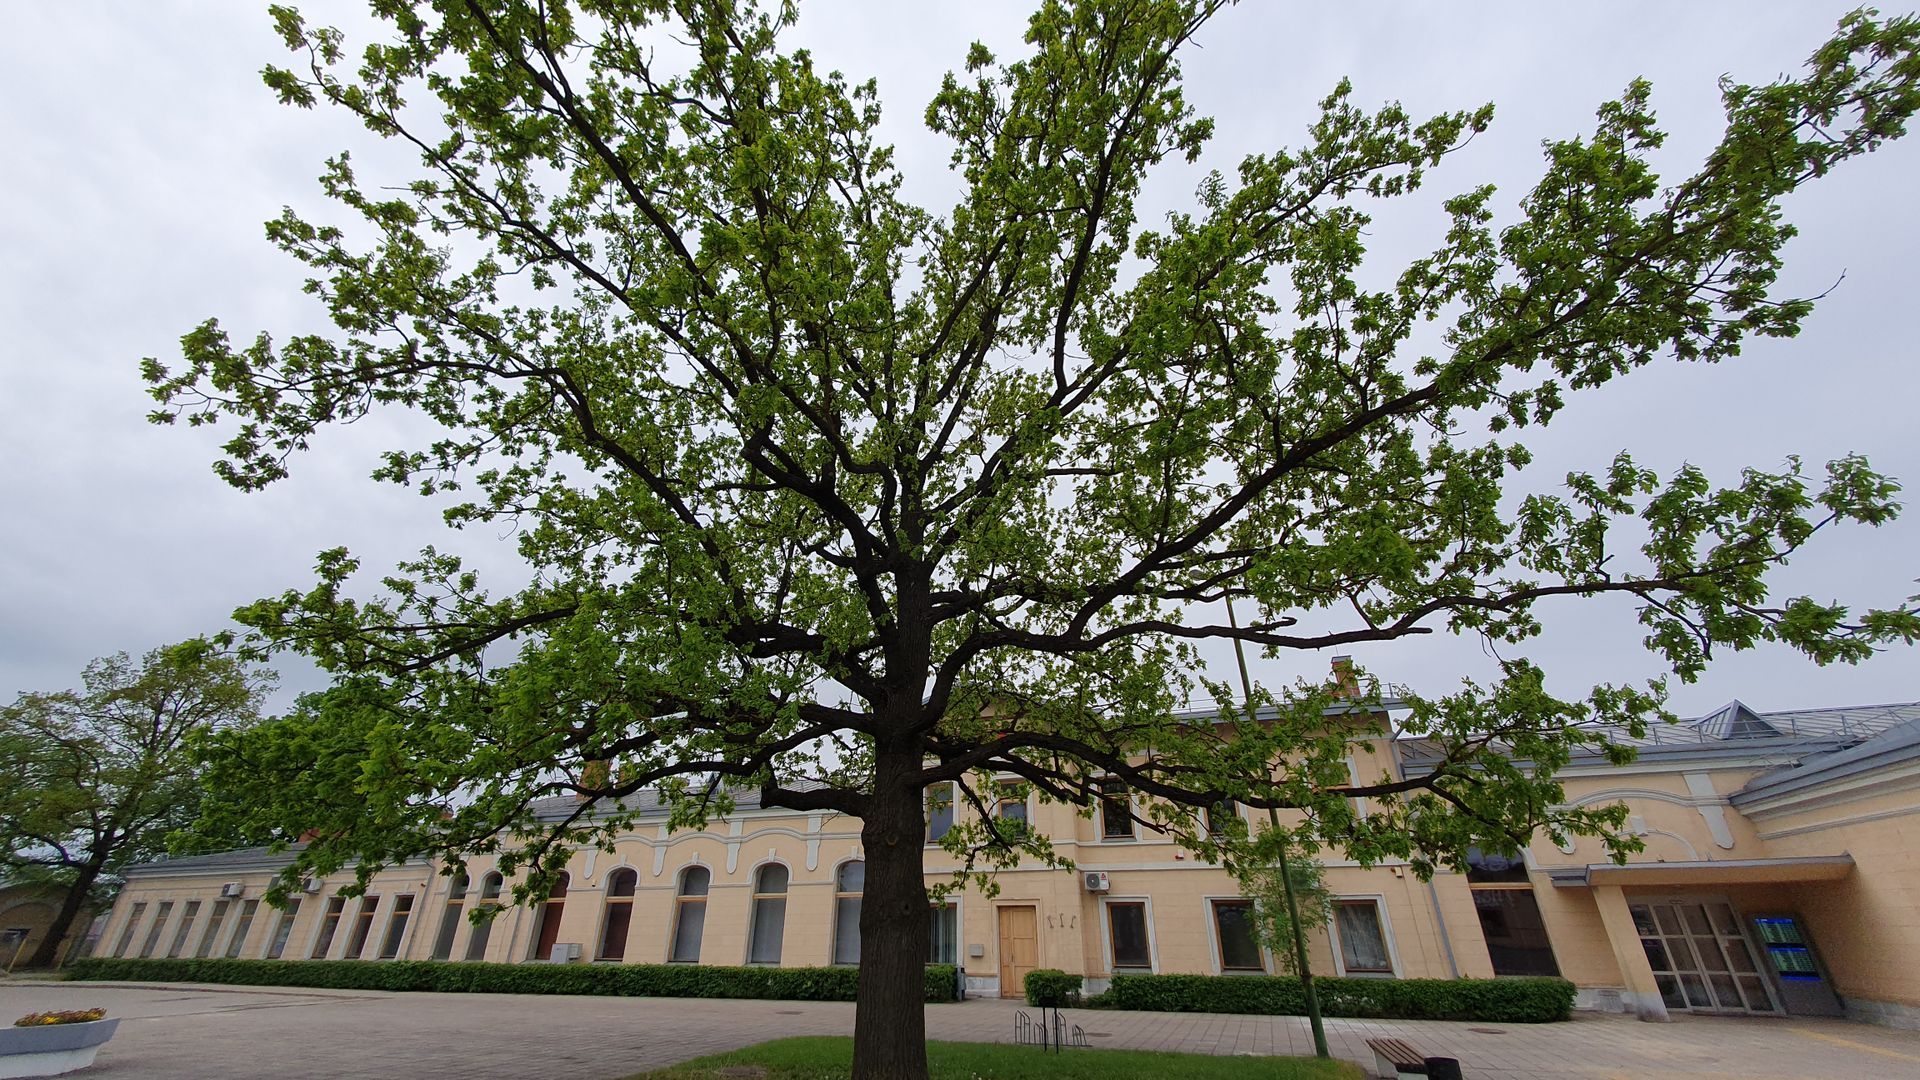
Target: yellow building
(27, 912)
(1781, 876)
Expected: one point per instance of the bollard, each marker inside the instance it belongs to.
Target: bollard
(1439, 1068)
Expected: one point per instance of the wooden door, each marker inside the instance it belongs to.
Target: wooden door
(1019, 949)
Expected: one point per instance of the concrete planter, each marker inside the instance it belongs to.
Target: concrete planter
(53, 1049)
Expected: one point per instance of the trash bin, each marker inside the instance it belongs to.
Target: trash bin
(1439, 1068)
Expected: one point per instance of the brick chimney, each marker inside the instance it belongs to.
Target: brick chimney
(1346, 683)
(594, 774)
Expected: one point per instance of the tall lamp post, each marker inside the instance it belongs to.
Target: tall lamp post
(1286, 873)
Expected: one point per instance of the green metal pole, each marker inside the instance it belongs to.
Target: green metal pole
(1286, 873)
(1300, 948)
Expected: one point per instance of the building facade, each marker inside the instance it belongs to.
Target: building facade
(27, 912)
(1781, 876)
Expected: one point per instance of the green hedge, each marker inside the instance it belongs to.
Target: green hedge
(1052, 988)
(1511, 1001)
(623, 980)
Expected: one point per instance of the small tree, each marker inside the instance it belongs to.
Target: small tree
(95, 779)
(839, 497)
(1261, 881)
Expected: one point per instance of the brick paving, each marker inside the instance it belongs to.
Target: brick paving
(229, 1033)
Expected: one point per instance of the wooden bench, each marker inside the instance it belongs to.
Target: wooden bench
(1395, 1058)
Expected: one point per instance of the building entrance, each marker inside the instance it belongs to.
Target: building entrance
(1701, 959)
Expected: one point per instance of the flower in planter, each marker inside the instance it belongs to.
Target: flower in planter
(69, 1016)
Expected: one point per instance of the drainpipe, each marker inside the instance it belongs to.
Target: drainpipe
(1433, 894)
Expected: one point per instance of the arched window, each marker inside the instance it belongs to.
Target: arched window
(769, 914)
(690, 916)
(450, 920)
(489, 899)
(613, 932)
(848, 884)
(548, 932)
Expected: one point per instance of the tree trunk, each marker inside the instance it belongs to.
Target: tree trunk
(63, 921)
(890, 1021)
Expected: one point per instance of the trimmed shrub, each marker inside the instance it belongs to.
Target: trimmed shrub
(1052, 988)
(1510, 1001)
(460, 977)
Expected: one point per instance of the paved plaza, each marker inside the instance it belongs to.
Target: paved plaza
(229, 1033)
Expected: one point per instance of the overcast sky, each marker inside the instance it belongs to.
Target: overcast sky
(139, 155)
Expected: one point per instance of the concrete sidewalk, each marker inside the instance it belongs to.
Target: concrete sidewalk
(190, 1032)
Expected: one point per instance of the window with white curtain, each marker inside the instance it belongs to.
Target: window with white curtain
(690, 918)
(1363, 939)
(769, 914)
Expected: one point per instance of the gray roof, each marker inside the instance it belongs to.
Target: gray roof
(1736, 722)
(251, 858)
(1890, 747)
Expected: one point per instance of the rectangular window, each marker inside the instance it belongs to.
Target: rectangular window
(396, 926)
(943, 934)
(939, 812)
(239, 939)
(159, 923)
(1221, 818)
(329, 925)
(1353, 778)
(187, 915)
(1013, 811)
(1116, 811)
(1127, 927)
(1363, 938)
(688, 929)
(283, 929)
(1233, 921)
(213, 928)
(362, 927)
(126, 932)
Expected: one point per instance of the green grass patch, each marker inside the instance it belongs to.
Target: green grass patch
(828, 1058)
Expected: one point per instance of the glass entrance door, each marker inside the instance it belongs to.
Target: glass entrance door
(1700, 959)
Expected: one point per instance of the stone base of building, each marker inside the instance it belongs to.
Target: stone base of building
(1885, 1013)
(1606, 999)
(983, 986)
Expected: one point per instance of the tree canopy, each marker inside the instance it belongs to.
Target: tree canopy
(835, 496)
(96, 779)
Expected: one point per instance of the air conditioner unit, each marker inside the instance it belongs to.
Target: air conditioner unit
(564, 952)
(310, 885)
(1096, 881)
(232, 888)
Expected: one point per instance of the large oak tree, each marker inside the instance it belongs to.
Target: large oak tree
(836, 497)
(96, 779)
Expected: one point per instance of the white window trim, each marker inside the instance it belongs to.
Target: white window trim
(1219, 952)
(313, 932)
(1360, 808)
(599, 941)
(273, 926)
(956, 901)
(953, 805)
(680, 902)
(406, 931)
(1106, 934)
(370, 941)
(1386, 931)
(833, 909)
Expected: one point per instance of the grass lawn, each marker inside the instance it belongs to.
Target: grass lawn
(823, 1058)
